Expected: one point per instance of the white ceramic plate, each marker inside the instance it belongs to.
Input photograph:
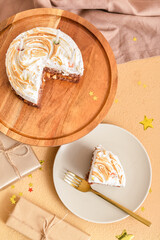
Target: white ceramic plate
(76, 157)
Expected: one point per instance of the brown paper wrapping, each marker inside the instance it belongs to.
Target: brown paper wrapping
(16, 160)
(30, 220)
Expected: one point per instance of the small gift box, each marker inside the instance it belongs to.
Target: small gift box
(16, 159)
(38, 224)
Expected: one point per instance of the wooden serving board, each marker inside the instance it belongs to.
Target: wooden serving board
(68, 111)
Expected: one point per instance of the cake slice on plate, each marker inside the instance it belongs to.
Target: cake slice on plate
(106, 168)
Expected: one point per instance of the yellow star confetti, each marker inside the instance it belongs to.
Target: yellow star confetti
(91, 93)
(41, 162)
(116, 100)
(147, 123)
(20, 194)
(95, 98)
(125, 236)
(144, 85)
(12, 199)
(134, 39)
(142, 209)
(12, 186)
(150, 190)
(40, 168)
(30, 184)
(139, 82)
(30, 175)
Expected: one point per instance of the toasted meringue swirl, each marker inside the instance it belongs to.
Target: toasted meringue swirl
(35, 49)
(106, 168)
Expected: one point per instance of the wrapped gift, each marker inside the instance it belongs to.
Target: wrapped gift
(16, 160)
(38, 224)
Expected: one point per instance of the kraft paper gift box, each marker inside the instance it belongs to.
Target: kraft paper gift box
(16, 160)
(38, 224)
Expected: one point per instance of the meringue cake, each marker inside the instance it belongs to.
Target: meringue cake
(39, 55)
(106, 168)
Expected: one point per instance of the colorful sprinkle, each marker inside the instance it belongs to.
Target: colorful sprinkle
(12, 186)
(144, 85)
(116, 100)
(30, 189)
(12, 199)
(41, 162)
(125, 236)
(20, 194)
(147, 123)
(95, 98)
(134, 39)
(139, 83)
(56, 43)
(91, 93)
(142, 209)
(30, 184)
(150, 190)
(30, 175)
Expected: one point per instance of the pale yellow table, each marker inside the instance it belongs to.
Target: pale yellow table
(138, 95)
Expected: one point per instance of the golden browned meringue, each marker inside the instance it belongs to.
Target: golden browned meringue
(31, 51)
(106, 168)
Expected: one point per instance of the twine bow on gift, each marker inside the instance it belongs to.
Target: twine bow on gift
(9, 151)
(48, 225)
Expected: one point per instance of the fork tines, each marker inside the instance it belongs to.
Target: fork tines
(72, 179)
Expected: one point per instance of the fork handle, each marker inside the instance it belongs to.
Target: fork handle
(141, 219)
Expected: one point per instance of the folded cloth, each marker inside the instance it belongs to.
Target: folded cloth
(38, 224)
(131, 27)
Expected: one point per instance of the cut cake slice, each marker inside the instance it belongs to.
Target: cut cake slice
(106, 168)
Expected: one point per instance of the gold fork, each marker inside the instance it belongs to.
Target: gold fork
(83, 186)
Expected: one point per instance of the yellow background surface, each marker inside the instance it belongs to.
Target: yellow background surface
(138, 94)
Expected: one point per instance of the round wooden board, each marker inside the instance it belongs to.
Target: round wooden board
(68, 111)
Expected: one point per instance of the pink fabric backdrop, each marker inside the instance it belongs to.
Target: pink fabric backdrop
(131, 27)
